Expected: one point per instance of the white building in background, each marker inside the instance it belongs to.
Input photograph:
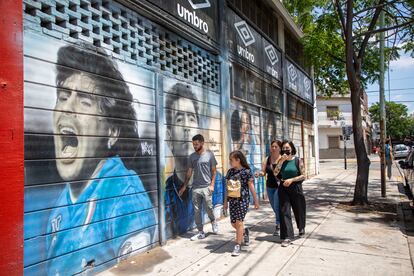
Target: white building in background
(334, 113)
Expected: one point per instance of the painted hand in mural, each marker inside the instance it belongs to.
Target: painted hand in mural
(181, 191)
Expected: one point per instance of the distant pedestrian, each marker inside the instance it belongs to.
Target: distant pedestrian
(389, 157)
(291, 172)
(203, 163)
(239, 180)
(272, 182)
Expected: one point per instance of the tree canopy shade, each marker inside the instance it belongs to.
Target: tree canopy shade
(340, 43)
(399, 124)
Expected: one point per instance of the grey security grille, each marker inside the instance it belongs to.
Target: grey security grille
(124, 33)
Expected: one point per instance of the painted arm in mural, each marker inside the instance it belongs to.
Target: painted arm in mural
(298, 178)
(188, 175)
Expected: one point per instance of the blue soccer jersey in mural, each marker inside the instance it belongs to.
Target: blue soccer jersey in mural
(179, 210)
(106, 224)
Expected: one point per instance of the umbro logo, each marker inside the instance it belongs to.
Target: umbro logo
(271, 54)
(244, 32)
(292, 72)
(199, 4)
(307, 84)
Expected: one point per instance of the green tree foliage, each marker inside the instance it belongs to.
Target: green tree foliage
(399, 124)
(341, 44)
(324, 44)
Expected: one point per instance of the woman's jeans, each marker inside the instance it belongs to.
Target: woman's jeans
(273, 196)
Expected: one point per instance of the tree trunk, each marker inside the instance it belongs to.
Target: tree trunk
(353, 71)
(363, 162)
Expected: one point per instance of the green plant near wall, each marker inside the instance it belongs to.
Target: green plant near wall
(334, 114)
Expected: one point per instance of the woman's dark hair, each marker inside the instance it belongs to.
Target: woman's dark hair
(239, 155)
(112, 93)
(290, 144)
(278, 142)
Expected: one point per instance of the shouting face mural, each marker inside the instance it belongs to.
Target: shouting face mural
(103, 212)
(76, 129)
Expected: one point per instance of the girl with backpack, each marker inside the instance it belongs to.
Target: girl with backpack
(291, 172)
(239, 180)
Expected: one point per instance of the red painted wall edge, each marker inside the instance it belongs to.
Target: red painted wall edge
(11, 138)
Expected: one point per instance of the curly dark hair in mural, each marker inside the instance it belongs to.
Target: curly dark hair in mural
(241, 124)
(113, 96)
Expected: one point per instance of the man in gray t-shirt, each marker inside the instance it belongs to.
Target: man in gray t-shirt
(203, 163)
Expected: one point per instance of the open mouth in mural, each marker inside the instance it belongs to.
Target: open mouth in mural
(68, 142)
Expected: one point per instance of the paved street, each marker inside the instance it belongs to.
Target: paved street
(340, 239)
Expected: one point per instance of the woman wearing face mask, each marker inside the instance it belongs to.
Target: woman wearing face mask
(291, 172)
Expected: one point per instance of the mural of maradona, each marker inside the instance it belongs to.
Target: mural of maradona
(110, 225)
(183, 122)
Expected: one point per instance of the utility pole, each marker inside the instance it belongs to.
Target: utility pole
(382, 106)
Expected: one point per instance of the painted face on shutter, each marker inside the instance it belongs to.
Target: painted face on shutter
(185, 126)
(78, 135)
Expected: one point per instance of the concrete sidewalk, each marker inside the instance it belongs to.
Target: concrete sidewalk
(340, 239)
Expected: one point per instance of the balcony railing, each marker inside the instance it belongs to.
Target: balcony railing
(325, 120)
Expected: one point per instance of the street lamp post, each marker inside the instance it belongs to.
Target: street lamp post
(344, 137)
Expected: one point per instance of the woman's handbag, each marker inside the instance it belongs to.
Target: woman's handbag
(233, 188)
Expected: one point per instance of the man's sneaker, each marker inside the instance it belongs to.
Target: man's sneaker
(214, 227)
(236, 250)
(198, 236)
(277, 229)
(286, 242)
(301, 232)
(246, 237)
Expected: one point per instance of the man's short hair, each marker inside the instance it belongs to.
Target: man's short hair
(178, 91)
(199, 138)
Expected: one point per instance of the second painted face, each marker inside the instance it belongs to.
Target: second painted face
(185, 126)
(78, 135)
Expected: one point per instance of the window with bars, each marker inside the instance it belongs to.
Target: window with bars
(333, 142)
(299, 110)
(294, 49)
(259, 14)
(251, 88)
(124, 33)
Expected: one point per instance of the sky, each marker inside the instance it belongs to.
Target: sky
(401, 83)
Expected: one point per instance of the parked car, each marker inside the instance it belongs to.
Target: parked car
(401, 151)
(407, 166)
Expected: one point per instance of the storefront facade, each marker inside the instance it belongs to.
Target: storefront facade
(113, 93)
